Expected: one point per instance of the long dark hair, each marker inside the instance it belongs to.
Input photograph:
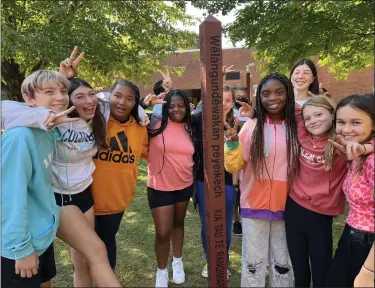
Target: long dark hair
(135, 89)
(165, 118)
(98, 124)
(314, 86)
(257, 145)
(364, 103)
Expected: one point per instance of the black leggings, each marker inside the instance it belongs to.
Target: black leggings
(106, 226)
(309, 237)
(352, 251)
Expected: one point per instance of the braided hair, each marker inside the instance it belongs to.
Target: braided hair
(257, 145)
(135, 89)
(186, 120)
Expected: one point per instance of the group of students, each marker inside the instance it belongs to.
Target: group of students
(291, 177)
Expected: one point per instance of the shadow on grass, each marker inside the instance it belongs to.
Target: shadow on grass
(136, 263)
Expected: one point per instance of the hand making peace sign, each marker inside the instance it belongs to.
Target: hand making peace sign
(351, 149)
(68, 67)
(152, 99)
(245, 110)
(53, 119)
(230, 135)
(227, 69)
(167, 81)
(321, 92)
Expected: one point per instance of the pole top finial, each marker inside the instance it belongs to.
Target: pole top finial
(249, 66)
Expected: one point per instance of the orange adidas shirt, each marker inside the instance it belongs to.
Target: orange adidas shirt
(116, 171)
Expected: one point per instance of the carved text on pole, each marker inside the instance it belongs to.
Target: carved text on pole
(213, 149)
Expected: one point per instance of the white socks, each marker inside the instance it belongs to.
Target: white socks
(175, 260)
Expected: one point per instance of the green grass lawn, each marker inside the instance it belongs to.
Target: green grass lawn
(136, 264)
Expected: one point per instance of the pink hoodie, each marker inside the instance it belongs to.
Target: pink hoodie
(313, 187)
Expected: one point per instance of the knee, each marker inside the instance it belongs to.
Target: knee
(163, 237)
(80, 265)
(281, 269)
(100, 251)
(178, 223)
(253, 270)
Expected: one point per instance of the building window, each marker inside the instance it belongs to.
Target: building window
(233, 76)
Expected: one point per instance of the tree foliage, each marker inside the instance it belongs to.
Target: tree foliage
(120, 38)
(341, 33)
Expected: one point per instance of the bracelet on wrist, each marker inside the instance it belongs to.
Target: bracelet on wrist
(368, 270)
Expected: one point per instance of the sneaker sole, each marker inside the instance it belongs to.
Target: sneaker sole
(204, 275)
(237, 234)
(178, 282)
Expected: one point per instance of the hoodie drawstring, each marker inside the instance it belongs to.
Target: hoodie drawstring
(66, 173)
(268, 141)
(58, 173)
(59, 176)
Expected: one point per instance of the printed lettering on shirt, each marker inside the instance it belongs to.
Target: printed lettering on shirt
(117, 144)
(77, 137)
(311, 158)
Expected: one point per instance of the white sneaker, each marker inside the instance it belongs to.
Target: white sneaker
(178, 272)
(161, 278)
(205, 271)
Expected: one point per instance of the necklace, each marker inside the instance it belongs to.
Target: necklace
(312, 142)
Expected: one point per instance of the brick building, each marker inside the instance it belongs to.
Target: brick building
(357, 81)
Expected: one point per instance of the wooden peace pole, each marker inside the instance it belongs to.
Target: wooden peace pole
(248, 86)
(213, 149)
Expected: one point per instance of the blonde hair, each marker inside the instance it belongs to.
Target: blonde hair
(230, 114)
(330, 106)
(36, 80)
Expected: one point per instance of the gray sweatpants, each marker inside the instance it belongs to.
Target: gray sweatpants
(264, 244)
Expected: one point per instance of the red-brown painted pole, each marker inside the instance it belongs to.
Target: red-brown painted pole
(213, 149)
(248, 86)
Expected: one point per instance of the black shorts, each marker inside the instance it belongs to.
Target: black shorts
(83, 200)
(157, 198)
(46, 271)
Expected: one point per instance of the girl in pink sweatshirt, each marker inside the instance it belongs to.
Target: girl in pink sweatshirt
(266, 151)
(316, 195)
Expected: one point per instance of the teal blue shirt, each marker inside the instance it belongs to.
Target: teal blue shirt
(30, 216)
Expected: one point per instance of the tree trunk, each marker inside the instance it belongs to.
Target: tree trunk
(13, 78)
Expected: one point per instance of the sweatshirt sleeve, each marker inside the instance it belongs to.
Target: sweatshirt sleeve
(141, 112)
(233, 160)
(157, 110)
(16, 238)
(16, 114)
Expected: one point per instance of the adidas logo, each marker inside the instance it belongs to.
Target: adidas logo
(117, 144)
